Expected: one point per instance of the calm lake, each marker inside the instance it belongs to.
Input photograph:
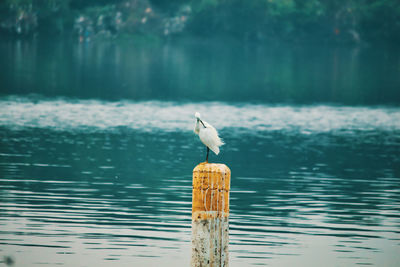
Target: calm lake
(97, 151)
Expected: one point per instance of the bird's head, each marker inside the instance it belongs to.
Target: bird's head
(197, 115)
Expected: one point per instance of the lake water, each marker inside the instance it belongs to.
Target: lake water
(97, 152)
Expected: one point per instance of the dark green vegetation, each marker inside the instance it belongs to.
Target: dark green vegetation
(258, 20)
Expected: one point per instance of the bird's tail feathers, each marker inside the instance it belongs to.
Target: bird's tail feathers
(221, 142)
(215, 149)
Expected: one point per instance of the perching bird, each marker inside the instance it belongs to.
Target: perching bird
(208, 135)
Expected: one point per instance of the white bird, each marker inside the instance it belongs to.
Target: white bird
(208, 135)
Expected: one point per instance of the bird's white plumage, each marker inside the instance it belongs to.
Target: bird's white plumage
(208, 135)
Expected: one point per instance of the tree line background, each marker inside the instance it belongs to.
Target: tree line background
(351, 21)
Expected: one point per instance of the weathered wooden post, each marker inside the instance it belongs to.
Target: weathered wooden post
(210, 214)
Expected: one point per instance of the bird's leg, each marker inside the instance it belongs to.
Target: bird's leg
(208, 151)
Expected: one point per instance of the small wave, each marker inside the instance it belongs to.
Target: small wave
(18, 113)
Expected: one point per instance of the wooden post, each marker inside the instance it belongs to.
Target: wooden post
(210, 214)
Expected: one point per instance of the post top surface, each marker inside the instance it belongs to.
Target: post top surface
(212, 166)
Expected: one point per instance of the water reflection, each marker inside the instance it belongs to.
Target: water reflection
(202, 71)
(92, 115)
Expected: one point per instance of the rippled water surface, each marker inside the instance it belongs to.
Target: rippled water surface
(88, 182)
(91, 181)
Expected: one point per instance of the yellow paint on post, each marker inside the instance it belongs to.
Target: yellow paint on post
(210, 212)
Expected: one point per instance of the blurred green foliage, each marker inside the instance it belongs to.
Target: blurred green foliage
(331, 20)
(292, 20)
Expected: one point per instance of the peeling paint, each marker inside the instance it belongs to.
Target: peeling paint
(210, 215)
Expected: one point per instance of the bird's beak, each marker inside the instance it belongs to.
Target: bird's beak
(198, 119)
